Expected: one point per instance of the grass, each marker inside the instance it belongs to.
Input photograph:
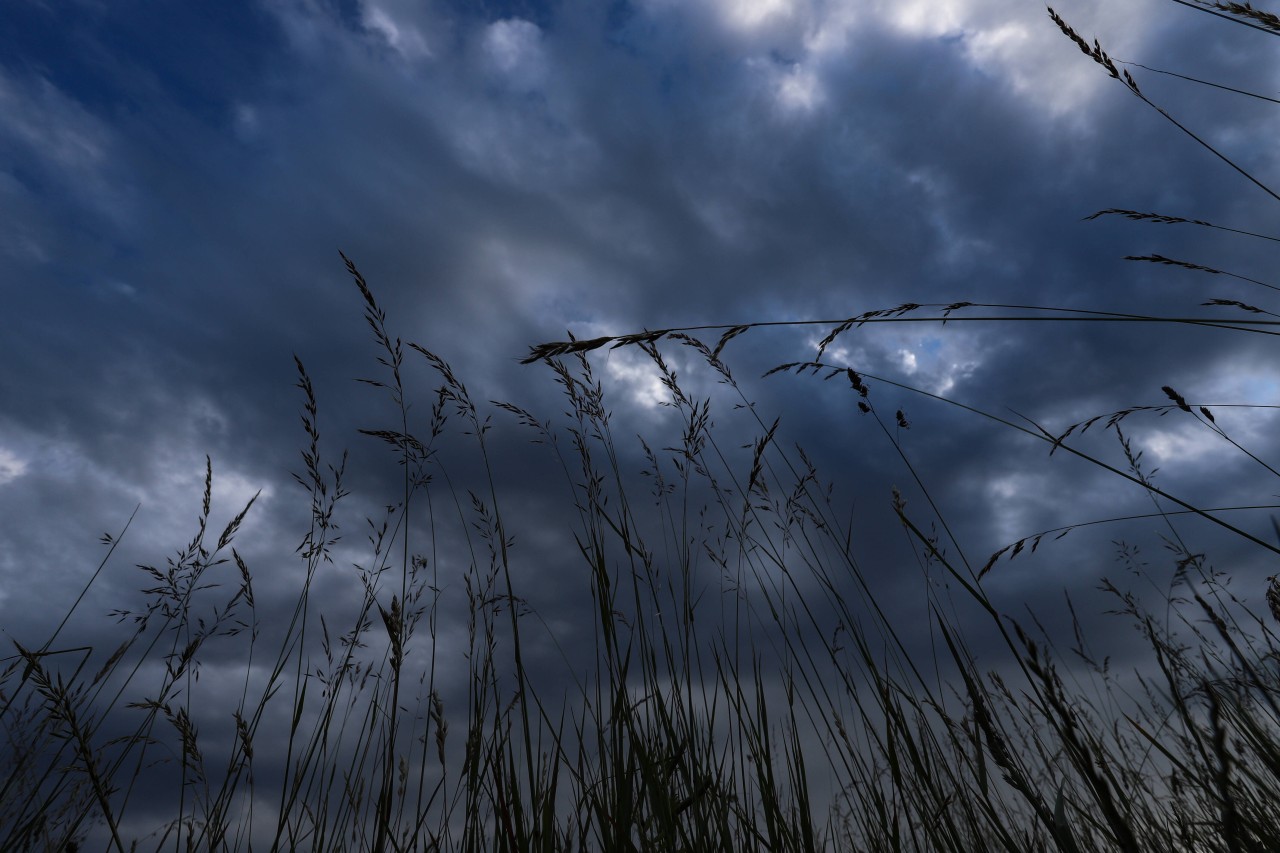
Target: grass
(744, 684)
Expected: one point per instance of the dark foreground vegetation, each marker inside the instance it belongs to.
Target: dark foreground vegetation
(744, 688)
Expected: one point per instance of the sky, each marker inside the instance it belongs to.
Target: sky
(177, 181)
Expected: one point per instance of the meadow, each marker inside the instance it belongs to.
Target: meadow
(744, 684)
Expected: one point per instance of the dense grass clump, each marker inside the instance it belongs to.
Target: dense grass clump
(742, 683)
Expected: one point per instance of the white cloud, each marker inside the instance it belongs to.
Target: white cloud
(799, 89)
(753, 14)
(1184, 443)
(829, 34)
(1007, 495)
(52, 134)
(1012, 43)
(935, 364)
(740, 16)
(394, 25)
(513, 48)
(1230, 389)
(927, 18)
(49, 124)
(12, 466)
(524, 148)
(638, 378)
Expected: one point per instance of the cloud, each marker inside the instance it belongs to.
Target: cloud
(60, 152)
(507, 176)
(513, 48)
(12, 466)
(400, 33)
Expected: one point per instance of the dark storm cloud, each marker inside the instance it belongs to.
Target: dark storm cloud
(178, 183)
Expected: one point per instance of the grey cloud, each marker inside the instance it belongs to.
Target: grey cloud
(502, 179)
